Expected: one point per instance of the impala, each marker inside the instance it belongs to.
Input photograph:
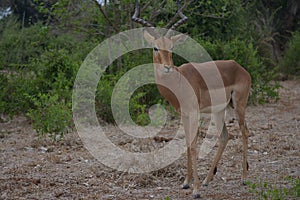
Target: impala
(236, 83)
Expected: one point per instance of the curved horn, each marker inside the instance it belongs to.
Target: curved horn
(179, 22)
(139, 20)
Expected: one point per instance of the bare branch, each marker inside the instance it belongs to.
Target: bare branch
(146, 6)
(106, 17)
(157, 12)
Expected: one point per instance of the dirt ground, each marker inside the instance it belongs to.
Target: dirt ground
(36, 168)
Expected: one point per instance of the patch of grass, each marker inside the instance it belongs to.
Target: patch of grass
(267, 191)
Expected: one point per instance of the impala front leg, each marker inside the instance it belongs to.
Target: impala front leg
(190, 124)
(194, 153)
(189, 170)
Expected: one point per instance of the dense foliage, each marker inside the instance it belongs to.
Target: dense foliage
(290, 64)
(43, 44)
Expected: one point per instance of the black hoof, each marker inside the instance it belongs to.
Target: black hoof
(185, 186)
(215, 170)
(196, 196)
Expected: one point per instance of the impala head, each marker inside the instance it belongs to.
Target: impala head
(162, 49)
(162, 46)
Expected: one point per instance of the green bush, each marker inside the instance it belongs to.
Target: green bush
(290, 64)
(50, 115)
(138, 108)
(18, 45)
(139, 102)
(103, 97)
(56, 71)
(3, 92)
(14, 88)
(142, 98)
(38, 71)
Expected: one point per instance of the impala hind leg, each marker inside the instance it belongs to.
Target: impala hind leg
(245, 134)
(223, 140)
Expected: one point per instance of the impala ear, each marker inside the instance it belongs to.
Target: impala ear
(180, 38)
(148, 37)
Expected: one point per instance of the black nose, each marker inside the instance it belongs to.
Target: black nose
(167, 68)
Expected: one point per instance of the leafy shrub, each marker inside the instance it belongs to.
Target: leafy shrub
(51, 115)
(103, 96)
(18, 45)
(138, 108)
(290, 63)
(14, 88)
(139, 102)
(3, 92)
(39, 69)
(55, 71)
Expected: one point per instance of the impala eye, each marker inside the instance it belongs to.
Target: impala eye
(155, 49)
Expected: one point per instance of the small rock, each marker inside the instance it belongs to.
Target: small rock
(266, 127)
(36, 181)
(28, 148)
(44, 149)
(85, 184)
(58, 194)
(273, 162)
(253, 151)
(52, 184)
(50, 149)
(37, 166)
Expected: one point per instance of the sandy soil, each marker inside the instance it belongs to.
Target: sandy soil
(36, 168)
